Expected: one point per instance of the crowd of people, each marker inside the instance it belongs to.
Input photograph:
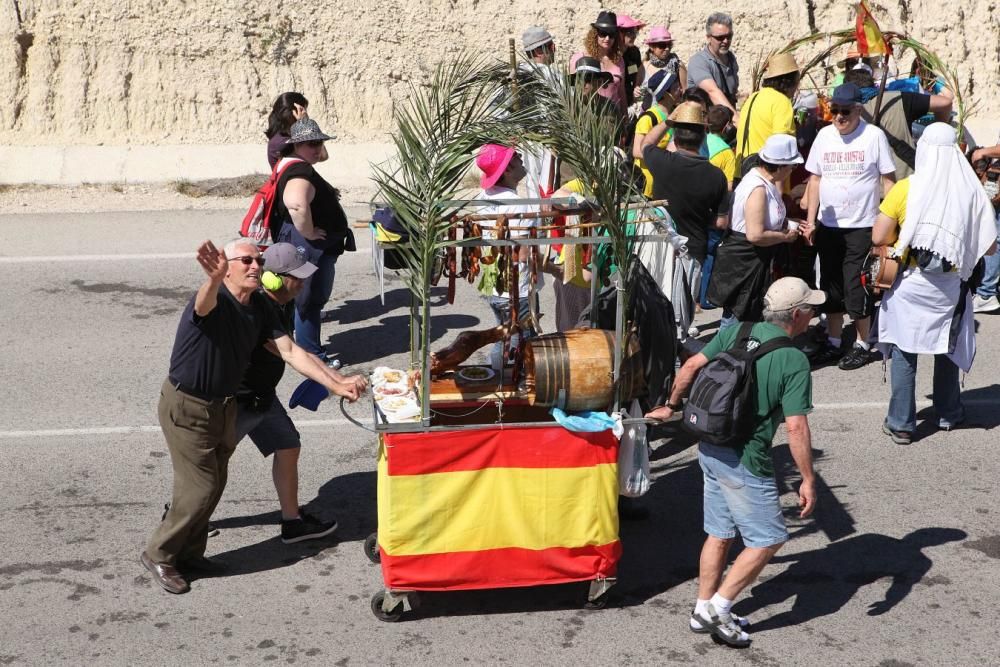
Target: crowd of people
(779, 213)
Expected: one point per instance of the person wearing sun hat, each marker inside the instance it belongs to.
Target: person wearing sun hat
(307, 214)
(502, 171)
(769, 110)
(540, 162)
(628, 28)
(758, 226)
(697, 195)
(604, 43)
(660, 54)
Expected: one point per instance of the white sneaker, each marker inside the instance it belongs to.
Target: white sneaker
(697, 626)
(723, 626)
(988, 305)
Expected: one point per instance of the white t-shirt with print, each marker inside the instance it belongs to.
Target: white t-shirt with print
(518, 229)
(851, 167)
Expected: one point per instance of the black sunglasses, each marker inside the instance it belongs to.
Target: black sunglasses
(841, 111)
(605, 33)
(661, 45)
(248, 260)
(722, 38)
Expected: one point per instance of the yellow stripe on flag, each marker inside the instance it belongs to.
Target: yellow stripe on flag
(495, 508)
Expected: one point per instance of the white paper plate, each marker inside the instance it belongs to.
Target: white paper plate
(482, 374)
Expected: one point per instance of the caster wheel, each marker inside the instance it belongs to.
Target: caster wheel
(371, 548)
(380, 614)
(597, 603)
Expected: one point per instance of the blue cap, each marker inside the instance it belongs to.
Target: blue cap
(660, 83)
(309, 395)
(846, 93)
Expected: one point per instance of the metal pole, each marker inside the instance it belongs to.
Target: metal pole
(616, 281)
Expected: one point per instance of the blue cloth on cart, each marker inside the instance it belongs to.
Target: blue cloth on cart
(584, 422)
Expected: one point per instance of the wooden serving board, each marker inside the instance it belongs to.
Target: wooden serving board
(452, 389)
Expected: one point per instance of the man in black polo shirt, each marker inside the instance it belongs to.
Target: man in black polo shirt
(219, 329)
(260, 415)
(697, 195)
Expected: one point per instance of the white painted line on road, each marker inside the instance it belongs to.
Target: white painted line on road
(126, 430)
(47, 259)
(323, 423)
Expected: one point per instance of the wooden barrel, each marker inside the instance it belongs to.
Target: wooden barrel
(573, 370)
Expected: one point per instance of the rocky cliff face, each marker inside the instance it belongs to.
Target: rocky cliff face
(206, 71)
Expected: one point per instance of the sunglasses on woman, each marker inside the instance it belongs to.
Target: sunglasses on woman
(661, 45)
(248, 260)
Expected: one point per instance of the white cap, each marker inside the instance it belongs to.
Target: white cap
(787, 293)
(781, 149)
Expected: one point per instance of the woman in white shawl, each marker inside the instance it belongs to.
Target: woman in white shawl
(941, 223)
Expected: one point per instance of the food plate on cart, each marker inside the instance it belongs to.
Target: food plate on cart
(475, 374)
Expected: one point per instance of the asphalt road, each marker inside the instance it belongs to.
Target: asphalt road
(899, 566)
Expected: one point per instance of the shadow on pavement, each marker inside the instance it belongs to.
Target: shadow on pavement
(350, 499)
(824, 580)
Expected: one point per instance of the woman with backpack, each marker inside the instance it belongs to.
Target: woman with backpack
(307, 214)
(286, 110)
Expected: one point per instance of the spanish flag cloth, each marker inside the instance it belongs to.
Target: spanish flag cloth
(869, 37)
(496, 508)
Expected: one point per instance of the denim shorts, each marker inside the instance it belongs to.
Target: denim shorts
(736, 499)
(270, 430)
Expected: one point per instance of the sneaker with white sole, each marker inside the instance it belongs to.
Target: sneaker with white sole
(985, 305)
(697, 626)
(723, 627)
(306, 527)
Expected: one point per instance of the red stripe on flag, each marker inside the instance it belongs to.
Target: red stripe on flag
(555, 447)
(500, 568)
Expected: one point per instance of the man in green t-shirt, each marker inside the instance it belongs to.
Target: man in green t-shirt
(740, 490)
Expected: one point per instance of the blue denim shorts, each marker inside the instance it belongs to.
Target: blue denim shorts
(736, 499)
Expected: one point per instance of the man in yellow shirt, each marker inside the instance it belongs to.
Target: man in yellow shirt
(769, 110)
(664, 87)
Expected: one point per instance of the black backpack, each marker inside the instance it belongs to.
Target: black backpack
(721, 405)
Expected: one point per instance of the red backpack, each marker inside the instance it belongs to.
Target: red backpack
(257, 222)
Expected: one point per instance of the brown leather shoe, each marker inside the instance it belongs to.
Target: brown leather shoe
(203, 565)
(165, 575)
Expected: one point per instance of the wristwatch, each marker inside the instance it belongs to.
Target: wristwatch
(676, 407)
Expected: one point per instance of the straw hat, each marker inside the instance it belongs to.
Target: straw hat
(779, 64)
(688, 113)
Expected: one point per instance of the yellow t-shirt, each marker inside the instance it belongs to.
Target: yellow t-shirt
(771, 113)
(726, 161)
(894, 206)
(642, 128)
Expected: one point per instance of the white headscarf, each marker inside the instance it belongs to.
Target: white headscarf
(947, 210)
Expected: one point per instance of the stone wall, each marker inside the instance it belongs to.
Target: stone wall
(205, 71)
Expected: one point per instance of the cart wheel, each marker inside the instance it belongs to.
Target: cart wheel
(599, 602)
(371, 548)
(380, 614)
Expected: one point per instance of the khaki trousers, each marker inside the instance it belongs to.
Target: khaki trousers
(201, 436)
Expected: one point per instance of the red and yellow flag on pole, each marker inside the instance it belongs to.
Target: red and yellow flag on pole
(869, 37)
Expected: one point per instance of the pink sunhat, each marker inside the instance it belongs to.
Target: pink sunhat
(626, 22)
(492, 160)
(659, 33)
